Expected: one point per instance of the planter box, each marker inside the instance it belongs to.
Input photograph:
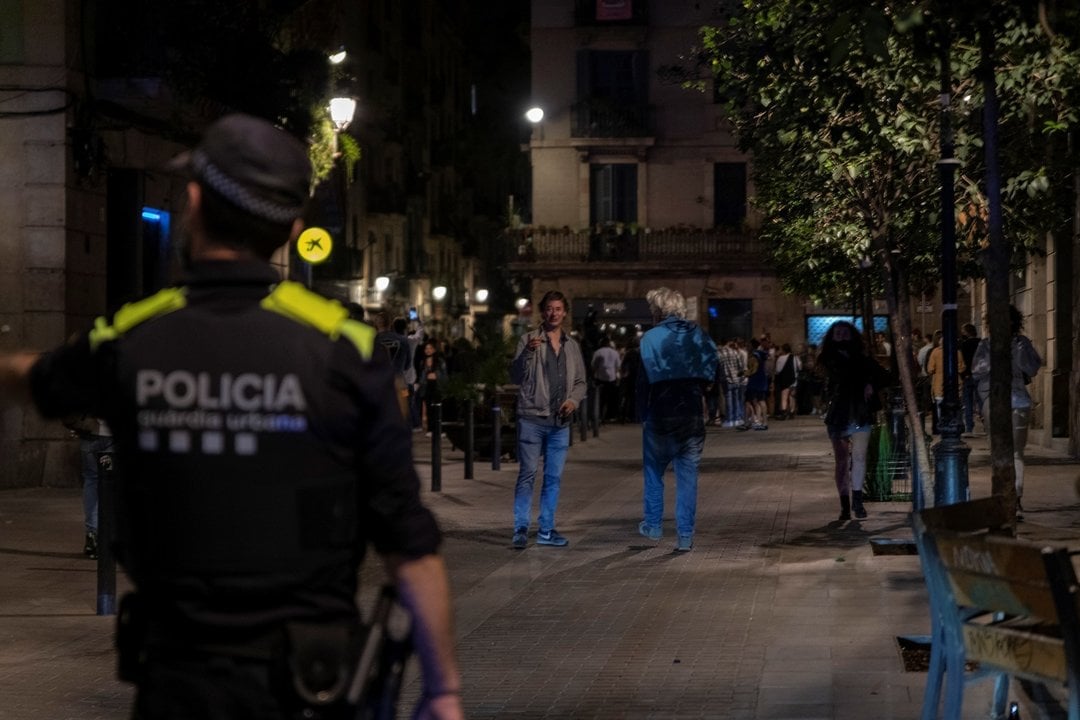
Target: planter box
(482, 439)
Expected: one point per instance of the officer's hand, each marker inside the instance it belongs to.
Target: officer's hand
(440, 707)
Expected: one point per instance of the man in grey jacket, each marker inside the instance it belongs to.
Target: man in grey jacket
(550, 373)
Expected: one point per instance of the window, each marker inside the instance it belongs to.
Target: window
(612, 94)
(818, 325)
(729, 194)
(613, 193)
(615, 75)
(11, 31)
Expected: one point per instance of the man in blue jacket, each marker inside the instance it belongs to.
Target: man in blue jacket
(678, 361)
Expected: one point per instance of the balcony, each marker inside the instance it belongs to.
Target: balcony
(603, 118)
(626, 12)
(539, 251)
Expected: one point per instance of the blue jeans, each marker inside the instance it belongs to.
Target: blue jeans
(89, 447)
(536, 440)
(735, 402)
(678, 443)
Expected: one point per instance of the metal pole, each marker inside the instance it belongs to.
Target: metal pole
(583, 420)
(469, 444)
(106, 564)
(594, 409)
(496, 437)
(951, 453)
(435, 423)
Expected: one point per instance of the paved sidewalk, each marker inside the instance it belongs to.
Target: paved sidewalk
(778, 612)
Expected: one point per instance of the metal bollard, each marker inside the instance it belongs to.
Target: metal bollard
(106, 564)
(583, 422)
(469, 444)
(496, 437)
(594, 409)
(435, 423)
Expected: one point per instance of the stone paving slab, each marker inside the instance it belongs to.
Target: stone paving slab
(778, 612)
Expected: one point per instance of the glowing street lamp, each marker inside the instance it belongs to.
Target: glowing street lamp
(534, 114)
(481, 296)
(438, 292)
(381, 283)
(341, 111)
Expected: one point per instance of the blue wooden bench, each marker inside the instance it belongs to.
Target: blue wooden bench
(1008, 605)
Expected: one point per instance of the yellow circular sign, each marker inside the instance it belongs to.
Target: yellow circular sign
(314, 245)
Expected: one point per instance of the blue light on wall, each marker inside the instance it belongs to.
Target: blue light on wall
(156, 248)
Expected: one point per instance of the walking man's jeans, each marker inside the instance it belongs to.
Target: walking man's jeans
(677, 442)
(536, 441)
(89, 447)
(734, 397)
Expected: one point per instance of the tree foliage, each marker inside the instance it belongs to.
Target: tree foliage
(849, 106)
(839, 104)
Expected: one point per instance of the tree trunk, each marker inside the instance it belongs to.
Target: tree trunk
(996, 263)
(898, 302)
(1074, 376)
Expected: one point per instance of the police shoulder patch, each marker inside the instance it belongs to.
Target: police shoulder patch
(135, 313)
(329, 317)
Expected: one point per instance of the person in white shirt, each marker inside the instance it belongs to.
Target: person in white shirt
(605, 371)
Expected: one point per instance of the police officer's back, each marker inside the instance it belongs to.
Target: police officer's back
(260, 448)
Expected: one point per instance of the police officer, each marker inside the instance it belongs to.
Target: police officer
(260, 448)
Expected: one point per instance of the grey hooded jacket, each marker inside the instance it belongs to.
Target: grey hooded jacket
(526, 371)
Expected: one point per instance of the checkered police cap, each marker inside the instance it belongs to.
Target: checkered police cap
(253, 165)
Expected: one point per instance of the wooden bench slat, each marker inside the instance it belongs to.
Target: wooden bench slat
(998, 573)
(1026, 654)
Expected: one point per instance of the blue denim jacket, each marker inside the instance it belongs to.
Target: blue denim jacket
(678, 359)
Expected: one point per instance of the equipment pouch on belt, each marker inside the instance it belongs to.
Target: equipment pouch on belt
(322, 658)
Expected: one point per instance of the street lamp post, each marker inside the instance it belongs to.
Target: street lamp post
(951, 453)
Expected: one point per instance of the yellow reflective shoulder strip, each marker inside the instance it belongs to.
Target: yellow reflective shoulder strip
(329, 317)
(160, 303)
(361, 335)
(296, 302)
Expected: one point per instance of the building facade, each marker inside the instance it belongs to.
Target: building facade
(637, 182)
(89, 120)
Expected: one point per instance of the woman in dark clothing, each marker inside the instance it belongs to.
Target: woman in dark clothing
(430, 376)
(852, 385)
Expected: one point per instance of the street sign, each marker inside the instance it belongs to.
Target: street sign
(314, 245)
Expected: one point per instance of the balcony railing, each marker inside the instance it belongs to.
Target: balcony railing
(600, 118)
(628, 12)
(710, 246)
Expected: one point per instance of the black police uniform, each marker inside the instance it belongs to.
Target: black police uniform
(259, 448)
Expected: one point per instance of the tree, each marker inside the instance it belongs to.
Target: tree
(838, 102)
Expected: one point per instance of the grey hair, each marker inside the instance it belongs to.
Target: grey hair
(666, 302)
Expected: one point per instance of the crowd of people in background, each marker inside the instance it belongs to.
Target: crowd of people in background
(757, 380)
